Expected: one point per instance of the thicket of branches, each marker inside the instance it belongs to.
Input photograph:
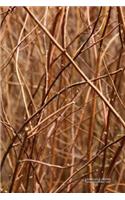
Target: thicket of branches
(62, 99)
